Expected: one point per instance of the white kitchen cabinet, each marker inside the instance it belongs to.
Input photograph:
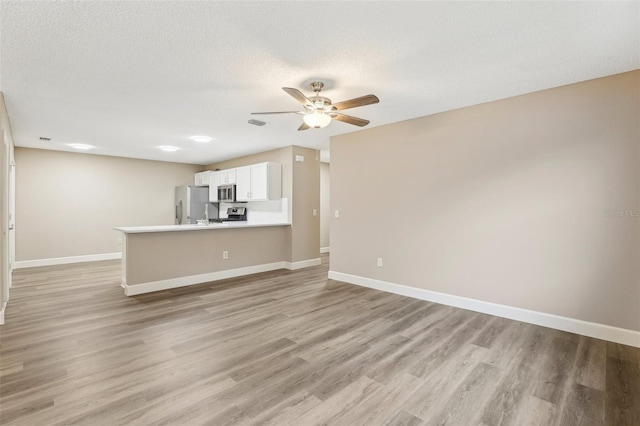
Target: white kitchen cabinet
(214, 181)
(227, 176)
(259, 182)
(202, 178)
(243, 183)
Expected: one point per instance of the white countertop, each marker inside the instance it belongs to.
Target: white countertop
(213, 226)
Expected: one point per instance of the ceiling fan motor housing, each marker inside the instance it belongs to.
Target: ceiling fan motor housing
(319, 110)
(320, 103)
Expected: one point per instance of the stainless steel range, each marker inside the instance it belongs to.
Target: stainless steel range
(234, 214)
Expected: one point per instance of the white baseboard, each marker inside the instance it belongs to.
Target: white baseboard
(302, 264)
(324, 249)
(64, 260)
(590, 329)
(134, 289)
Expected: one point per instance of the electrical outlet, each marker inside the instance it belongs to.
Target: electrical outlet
(337, 213)
(315, 212)
(379, 262)
(225, 254)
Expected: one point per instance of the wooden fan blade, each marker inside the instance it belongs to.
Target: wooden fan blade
(349, 119)
(277, 112)
(303, 126)
(356, 102)
(297, 95)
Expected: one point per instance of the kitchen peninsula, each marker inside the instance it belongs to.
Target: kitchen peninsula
(280, 234)
(163, 257)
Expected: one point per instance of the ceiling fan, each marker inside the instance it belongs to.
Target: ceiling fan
(319, 111)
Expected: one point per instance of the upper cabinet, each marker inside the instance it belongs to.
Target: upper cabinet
(227, 177)
(214, 181)
(243, 183)
(259, 182)
(202, 178)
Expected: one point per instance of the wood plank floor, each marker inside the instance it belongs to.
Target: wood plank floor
(290, 347)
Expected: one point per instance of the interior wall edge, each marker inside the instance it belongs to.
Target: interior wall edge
(302, 264)
(571, 325)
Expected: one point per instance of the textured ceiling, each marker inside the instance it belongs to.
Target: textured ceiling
(129, 76)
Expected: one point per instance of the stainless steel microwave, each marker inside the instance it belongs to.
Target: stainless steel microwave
(227, 193)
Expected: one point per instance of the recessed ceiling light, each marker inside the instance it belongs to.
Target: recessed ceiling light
(202, 139)
(80, 146)
(168, 148)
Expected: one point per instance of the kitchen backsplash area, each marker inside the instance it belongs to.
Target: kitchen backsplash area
(262, 212)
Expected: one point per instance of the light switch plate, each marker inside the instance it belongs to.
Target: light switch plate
(337, 213)
(300, 158)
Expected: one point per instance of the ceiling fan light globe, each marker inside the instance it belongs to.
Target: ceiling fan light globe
(317, 119)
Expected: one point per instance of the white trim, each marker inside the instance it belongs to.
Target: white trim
(133, 289)
(4, 308)
(64, 260)
(324, 249)
(591, 329)
(302, 264)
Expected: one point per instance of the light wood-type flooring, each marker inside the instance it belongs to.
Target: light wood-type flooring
(290, 348)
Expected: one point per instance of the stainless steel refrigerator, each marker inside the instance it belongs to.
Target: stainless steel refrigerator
(192, 204)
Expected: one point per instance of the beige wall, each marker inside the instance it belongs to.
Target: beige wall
(306, 197)
(503, 202)
(301, 185)
(325, 206)
(68, 203)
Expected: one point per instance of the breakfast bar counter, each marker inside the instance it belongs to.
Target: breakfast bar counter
(211, 226)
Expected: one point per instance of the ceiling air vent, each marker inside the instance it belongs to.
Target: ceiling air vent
(256, 122)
